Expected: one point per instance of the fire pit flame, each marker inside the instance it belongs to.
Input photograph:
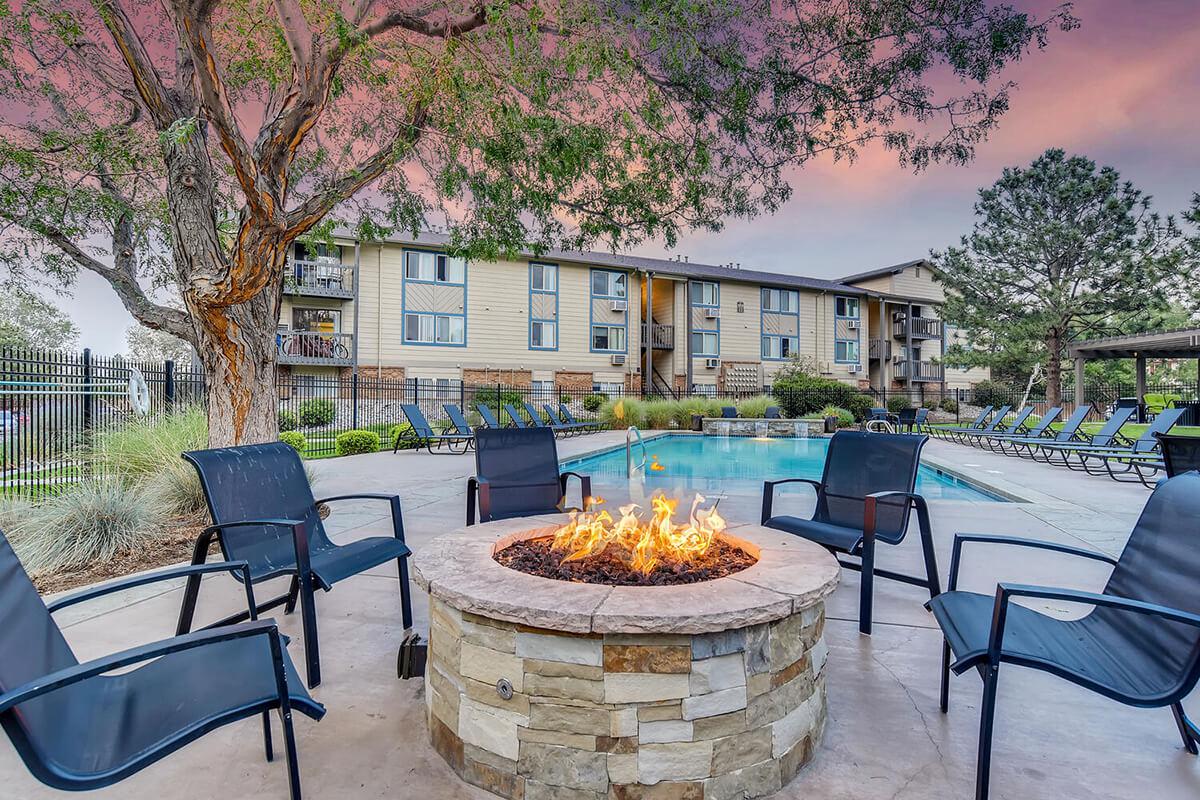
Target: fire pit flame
(641, 544)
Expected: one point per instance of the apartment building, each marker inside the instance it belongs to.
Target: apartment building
(603, 322)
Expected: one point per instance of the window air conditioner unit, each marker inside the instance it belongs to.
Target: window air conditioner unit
(855, 369)
(826, 367)
(712, 313)
(852, 324)
(618, 360)
(618, 305)
(712, 363)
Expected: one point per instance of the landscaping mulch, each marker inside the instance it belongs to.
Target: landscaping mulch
(171, 547)
(537, 557)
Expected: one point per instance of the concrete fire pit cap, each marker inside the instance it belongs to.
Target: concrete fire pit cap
(458, 568)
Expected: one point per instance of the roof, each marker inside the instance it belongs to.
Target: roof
(1176, 343)
(663, 266)
(892, 270)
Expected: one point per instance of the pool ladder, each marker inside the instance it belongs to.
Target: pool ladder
(629, 467)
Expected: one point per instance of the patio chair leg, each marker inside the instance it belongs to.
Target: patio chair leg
(1187, 729)
(308, 618)
(866, 587)
(405, 600)
(289, 748)
(293, 593)
(267, 736)
(944, 700)
(987, 719)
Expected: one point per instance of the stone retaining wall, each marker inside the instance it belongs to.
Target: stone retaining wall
(774, 428)
(625, 716)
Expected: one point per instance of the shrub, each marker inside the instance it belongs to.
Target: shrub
(495, 399)
(352, 443)
(623, 413)
(845, 419)
(593, 402)
(990, 393)
(930, 403)
(658, 414)
(898, 402)
(949, 405)
(146, 454)
(800, 394)
(755, 407)
(396, 430)
(296, 439)
(317, 412)
(90, 522)
(860, 406)
(287, 420)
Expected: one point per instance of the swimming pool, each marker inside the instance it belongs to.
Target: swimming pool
(739, 465)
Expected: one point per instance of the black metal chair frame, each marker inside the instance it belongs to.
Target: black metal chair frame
(975, 425)
(479, 493)
(1141, 461)
(49, 775)
(420, 432)
(1110, 434)
(565, 412)
(558, 423)
(1024, 446)
(302, 585)
(1017, 427)
(988, 664)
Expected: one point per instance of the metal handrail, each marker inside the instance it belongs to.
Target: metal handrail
(632, 429)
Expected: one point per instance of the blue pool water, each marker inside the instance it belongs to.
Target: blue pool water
(739, 465)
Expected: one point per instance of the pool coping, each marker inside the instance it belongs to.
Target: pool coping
(1003, 490)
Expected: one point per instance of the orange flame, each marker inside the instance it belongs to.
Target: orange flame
(643, 545)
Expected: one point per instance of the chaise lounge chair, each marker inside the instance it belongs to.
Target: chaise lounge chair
(263, 513)
(1139, 645)
(1022, 446)
(1141, 461)
(983, 422)
(560, 424)
(458, 420)
(995, 441)
(80, 726)
(865, 496)
(1015, 428)
(594, 425)
(488, 416)
(1057, 452)
(517, 475)
(420, 432)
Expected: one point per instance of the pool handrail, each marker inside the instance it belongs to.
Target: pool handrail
(632, 429)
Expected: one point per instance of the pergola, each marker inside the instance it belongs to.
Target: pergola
(1181, 343)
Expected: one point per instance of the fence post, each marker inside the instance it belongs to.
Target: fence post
(89, 399)
(169, 385)
(354, 399)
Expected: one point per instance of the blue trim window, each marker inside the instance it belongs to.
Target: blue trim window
(779, 304)
(448, 329)
(706, 338)
(426, 266)
(543, 285)
(423, 326)
(608, 338)
(606, 283)
(846, 312)
(612, 286)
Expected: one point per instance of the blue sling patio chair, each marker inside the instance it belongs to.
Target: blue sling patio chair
(565, 411)
(1015, 428)
(1140, 461)
(1040, 430)
(420, 432)
(551, 423)
(772, 412)
(517, 420)
(729, 412)
(974, 425)
(1139, 645)
(560, 424)
(458, 419)
(1022, 446)
(959, 434)
(864, 497)
(79, 726)
(488, 416)
(263, 513)
(516, 475)
(1109, 436)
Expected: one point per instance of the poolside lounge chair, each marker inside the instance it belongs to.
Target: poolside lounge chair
(728, 412)
(78, 727)
(420, 432)
(772, 412)
(559, 424)
(865, 496)
(1015, 428)
(995, 441)
(458, 419)
(1140, 644)
(1097, 460)
(594, 425)
(488, 416)
(975, 425)
(263, 513)
(517, 420)
(516, 475)
(1022, 446)
(958, 434)
(551, 423)
(912, 420)
(1057, 452)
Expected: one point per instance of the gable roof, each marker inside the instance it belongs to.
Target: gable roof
(882, 271)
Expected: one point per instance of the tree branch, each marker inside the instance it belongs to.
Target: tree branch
(297, 32)
(133, 52)
(447, 29)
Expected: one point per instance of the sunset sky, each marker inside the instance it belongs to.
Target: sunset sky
(1123, 89)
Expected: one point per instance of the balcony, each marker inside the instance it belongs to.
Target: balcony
(922, 328)
(663, 337)
(878, 350)
(322, 278)
(313, 347)
(919, 371)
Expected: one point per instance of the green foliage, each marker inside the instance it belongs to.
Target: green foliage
(991, 393)
(145, 453)
(29, 322)
(397, 431)
(800, 393)
(296, 439)
(755, 407)
(593, 402)
(658, 414)
(287, 420)
(898, 402)
(623, 412)
(860, 406)
(845, 419)
(930, 403)
(356, 442)
(90, 522)
(316, 412)
(495, 399)
(949, 405)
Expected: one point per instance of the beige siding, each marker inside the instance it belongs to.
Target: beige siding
(918, 283)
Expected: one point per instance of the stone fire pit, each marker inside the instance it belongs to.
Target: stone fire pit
(539, 688)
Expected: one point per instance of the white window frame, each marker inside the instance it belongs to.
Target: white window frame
(710, 296)
(540, 327)
(704, 352)
(617, 331)
(613, 281)
(543, 271)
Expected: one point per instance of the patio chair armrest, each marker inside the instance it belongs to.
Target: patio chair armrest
(1038, 544)
(768, 500)
(392, 499)
(154, 577)
(1006, 591)
(135, 655)
(479, 492)
(585, 486)
(242, 523)
(871, 501)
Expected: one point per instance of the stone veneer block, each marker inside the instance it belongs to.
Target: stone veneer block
(701, 692)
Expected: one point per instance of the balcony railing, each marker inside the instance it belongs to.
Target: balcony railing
(877, 350)
(922, 328)
(663, 336)
(919, 371)
(309, 347)
(319, 279)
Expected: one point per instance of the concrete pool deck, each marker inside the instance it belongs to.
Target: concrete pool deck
(885, 737)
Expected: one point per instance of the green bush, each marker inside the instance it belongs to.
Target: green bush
(990, 393)
(845, 419)
(800, 394)
(898, 402)
(949, 405)
(296, 439)
(145, 453)
(495, 399)
(860, 406)
(396, 430)
(930, 403)
(287, 420)
(352, 443)
(593, 402)
(658, 414)
(317, 412)
(755, 407)
(623, 412)
(90, 522)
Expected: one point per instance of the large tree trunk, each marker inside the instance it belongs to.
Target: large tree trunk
(1054, 344)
